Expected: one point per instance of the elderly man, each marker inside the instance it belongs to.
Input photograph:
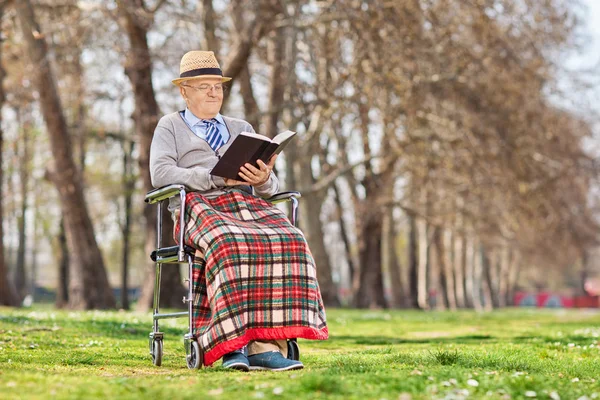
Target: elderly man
(254, 277)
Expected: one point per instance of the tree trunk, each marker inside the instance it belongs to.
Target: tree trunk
(390, 262)
(458, 263)
(477, 277)
(313, 228)
(513, 277)
(447, 242)
(88, 286)
(370, 292)
(276, 60)
(352, 270)
(34, 245)
(250, 32)
(487, 260)
(24, 171)
(138, 68)
(443, 241)
(437, 277)
(312, 204)
(251, 110)
(8, 293)
(240, 51)
(207, 14)
(469, 253)
(503, 275)
(413, 263)
(423, 249)
(20, 268)
(494, 259)
(62, 286)
(128, 184)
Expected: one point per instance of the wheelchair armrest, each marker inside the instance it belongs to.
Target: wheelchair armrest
(284, 196)
(165, 192)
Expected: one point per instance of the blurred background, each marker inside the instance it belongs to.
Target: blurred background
(447, 150)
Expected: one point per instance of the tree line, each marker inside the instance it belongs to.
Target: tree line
(436, 163)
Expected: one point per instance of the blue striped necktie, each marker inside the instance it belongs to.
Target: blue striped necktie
(213, 136)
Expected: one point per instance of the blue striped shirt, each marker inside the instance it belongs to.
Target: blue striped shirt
(198, 126)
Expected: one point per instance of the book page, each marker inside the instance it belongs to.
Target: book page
(283, 136)
(256, 135)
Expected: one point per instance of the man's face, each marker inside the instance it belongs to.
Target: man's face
(204, 97)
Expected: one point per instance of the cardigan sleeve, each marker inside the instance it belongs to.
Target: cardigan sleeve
(163, 164)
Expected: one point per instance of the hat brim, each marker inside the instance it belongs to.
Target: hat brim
(178, 81)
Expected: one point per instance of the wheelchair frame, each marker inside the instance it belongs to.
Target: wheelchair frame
(182, 254)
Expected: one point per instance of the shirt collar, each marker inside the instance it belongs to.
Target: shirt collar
(193, 120)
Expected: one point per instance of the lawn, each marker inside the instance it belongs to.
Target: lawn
(510, 354)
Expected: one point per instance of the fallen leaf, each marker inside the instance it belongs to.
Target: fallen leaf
(277, 390)
(216, 392)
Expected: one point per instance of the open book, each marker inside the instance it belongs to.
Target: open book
(249, 147)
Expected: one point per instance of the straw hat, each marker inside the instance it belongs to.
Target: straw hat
(199, 64)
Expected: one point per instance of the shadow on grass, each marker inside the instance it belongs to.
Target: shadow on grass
(465, 339)
(361, 362)
(383, 340)
(109, 328)
(324, 383)
(130, 330)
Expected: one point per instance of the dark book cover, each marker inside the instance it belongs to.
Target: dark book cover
(249, 147)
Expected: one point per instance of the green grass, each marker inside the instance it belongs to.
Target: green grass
(514, 354)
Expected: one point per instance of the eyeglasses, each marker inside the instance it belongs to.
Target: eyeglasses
(205, 88)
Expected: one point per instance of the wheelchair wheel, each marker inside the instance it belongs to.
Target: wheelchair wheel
(293, 350)
(157, 352)
(194, 359)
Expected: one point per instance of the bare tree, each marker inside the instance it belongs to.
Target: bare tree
(136, 19)
(88, 286)
(435, 109)
(24, 154)
(8, 294)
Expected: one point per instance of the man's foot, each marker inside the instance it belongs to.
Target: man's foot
(236, 360)
(272, 361)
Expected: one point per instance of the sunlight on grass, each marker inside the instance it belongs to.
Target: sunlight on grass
(516, 354)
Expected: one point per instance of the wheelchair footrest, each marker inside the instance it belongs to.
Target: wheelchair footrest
(165, 252)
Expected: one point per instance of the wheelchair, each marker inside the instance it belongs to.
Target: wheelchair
(182, 254)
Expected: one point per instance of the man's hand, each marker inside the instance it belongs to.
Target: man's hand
(233, 182)
(252, 175)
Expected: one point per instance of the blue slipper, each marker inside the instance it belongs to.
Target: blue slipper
(236, 360)
(272, 361)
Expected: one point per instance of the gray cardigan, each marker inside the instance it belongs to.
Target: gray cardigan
(177, 155)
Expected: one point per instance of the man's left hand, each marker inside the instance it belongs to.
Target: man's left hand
(257, 176)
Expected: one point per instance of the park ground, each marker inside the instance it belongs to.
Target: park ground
(393, 355)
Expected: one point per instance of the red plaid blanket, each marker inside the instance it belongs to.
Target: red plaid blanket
(253, 277)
